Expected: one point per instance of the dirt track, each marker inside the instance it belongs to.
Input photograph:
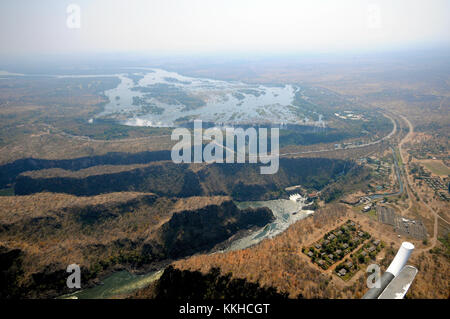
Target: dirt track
(409, 187)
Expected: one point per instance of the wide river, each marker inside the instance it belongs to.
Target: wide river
(161, 98)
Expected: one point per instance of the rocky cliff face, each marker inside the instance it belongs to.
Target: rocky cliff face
(162, 178)
(136, 231)
(240, 181)
(8, 172)
(189, 232)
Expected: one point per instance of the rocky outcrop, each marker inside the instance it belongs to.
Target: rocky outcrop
(189, 232)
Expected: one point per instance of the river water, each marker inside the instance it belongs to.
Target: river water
(286, 213)
(118, 284)
(224, 102)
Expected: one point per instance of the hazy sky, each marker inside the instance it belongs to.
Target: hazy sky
(162, 26)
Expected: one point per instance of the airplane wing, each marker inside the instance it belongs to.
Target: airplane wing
(399, 286)
(397, 279)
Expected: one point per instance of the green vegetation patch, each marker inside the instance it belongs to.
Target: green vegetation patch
(147, 107)
(366, 254)
(170, 94)
(437, 167)
(337, 244)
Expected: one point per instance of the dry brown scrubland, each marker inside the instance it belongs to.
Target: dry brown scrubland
(279, 262)
(45, 145)
(47, 226)
(432, 280)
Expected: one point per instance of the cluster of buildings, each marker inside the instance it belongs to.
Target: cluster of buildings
(436, 184)
(349, 115)
(350, 266)
(336, 244)
(439, 186)
(367, 207)
(366, 201)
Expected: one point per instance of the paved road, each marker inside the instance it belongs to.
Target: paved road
(88, 139)
(394, 131)
(399, 179)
